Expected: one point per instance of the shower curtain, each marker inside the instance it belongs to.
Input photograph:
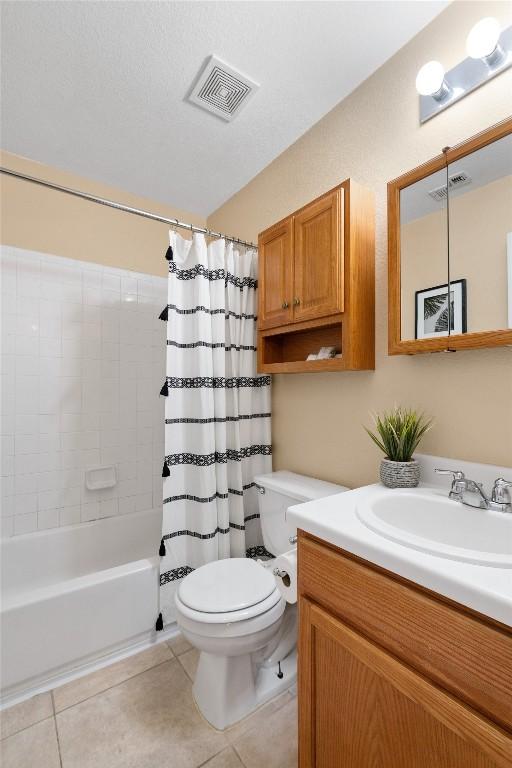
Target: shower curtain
(217, 411)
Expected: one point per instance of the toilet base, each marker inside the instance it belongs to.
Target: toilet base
(228, 688)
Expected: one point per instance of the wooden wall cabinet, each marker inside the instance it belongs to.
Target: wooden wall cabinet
(316, 285)
(392, 676)
(276, 275)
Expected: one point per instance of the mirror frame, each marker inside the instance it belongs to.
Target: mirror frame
(475, 340)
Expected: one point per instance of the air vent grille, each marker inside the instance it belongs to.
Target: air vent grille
(439, 194)
(222, 90)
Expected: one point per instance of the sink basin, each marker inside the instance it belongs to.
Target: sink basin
(425, 520)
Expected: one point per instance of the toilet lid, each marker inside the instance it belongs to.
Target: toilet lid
(226, 585)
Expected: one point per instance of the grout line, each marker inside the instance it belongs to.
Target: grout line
(178, 658)
(110, 687)
(175, 654)
(58, 739)
(237, 753)
(25, 728)
(212, 757)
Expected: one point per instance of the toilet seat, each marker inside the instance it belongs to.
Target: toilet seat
(234, 624)
(229, 590)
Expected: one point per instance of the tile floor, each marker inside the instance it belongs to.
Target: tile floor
(139, 713)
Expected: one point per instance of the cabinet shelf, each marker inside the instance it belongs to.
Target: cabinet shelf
(284, 350)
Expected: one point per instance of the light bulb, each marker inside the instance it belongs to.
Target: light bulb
(430, 78)
(483, 38)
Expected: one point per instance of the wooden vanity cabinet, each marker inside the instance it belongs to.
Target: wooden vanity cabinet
(316, 285)
(393, 676)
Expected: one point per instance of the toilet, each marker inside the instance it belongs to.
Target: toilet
(233, 612)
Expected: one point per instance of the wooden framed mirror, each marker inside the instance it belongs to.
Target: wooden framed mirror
(450, 235)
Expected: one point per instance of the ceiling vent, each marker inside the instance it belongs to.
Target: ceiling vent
(222, 90)
(457, 180)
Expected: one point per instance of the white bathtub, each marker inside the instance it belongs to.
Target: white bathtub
(74, 595)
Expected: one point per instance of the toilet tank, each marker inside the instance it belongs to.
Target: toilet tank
(281, 490)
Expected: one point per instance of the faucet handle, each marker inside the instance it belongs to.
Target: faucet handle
(455, 473)
(500, 493)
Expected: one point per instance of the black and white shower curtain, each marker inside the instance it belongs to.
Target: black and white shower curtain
(217, 411)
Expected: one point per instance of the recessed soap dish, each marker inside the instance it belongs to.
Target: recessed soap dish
(99, 478)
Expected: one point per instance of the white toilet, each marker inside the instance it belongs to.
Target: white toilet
(234, 613)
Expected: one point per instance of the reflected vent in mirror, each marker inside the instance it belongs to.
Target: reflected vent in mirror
(221, 89)
(457, 180)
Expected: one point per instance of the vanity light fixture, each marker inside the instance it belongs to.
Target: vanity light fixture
(430, 81)
(483, 41)
(489, 50)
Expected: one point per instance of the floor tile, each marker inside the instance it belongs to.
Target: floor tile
(35, 746)
(227, 759)
(257, 719)
(179, 645)
(189, 661)
(85, 687)
(147, 721)
(273, 743)
(26, 713)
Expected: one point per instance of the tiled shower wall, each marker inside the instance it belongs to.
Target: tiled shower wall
(83, 360)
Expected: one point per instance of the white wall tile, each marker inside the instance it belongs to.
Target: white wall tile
(7, 485)
(49, 424)
(7, 445)
(25, 503)
(90, 458)
(8, 506)
(83, 357)
(7, 465)
(7, 527)
(26, 483)
(70, 515)
(109, 508)
(26, 443)
(25, 523)
(47, 518)
(26, 462)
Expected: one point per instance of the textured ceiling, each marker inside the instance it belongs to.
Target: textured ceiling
(98, 88)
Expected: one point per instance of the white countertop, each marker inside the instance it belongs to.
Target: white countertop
(486, 589)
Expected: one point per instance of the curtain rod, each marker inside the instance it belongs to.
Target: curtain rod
(125, 208)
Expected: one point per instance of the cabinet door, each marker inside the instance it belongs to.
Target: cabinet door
(318, 246)
(275, 275)
(359, 707)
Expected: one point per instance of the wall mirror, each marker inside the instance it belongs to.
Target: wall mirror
(450, 248)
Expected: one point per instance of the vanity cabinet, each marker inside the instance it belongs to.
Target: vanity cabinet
(393, 676)
(316, 285)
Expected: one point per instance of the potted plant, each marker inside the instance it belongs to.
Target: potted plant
(398, 434)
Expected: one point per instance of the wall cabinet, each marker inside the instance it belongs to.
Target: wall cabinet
(276, 275)
(316, 284)
(390, 676)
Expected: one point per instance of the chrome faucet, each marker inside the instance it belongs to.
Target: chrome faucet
(500, 499)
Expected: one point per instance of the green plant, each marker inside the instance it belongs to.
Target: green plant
(398, 432)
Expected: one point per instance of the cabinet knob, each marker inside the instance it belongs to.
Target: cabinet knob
(296, 302)
(285, 305)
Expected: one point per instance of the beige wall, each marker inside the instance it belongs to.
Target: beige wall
(480, 220)
(373, 136)
(40, 219)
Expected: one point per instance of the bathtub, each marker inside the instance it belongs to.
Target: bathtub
(74, 595)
